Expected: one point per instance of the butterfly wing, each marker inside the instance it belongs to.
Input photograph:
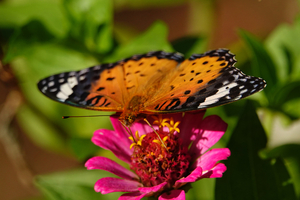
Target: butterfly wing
(109, 87)
(99, 88)
(203, 81)
(144, 73)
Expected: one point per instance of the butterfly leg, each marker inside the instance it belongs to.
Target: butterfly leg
(129, 132)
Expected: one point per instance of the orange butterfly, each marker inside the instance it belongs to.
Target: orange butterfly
(154, 83)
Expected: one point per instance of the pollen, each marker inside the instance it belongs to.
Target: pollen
(173, 126)
(137, 141)
(161, 122)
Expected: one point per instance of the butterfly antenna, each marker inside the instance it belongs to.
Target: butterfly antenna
(156, 133)
(66, 117)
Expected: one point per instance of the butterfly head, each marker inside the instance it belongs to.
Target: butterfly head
(127, 119)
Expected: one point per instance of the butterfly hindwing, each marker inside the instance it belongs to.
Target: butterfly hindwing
(203, 81)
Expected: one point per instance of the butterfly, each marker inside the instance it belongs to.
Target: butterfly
(154, 83)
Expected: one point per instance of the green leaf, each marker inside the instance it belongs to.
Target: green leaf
(283, 44)
(262, 64)
(292, 109)
(155, 38)
(75, 185)
(190, 45)
(287, 92)
(290, 153)
(91, 23)
(23, 39)
(248, 176)
(49, 13)
(83, 147)
(39, 130)
(202, 190)
(290, 60)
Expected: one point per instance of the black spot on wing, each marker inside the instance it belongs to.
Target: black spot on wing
(211, 81)
(93, 101)
(173, 104)
(200, 81)
(159, 108)
(188, 101)
(202, 91)
(100, 89)
(222, 54)
(187, 92)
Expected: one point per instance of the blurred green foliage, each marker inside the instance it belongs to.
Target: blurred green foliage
(40, 38)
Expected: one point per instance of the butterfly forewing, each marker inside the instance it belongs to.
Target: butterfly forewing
(100, 87)
(203, 81)
(144, 73)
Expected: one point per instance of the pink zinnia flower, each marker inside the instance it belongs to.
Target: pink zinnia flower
(161, 165)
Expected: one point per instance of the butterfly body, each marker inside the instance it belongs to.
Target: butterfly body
(154, 83)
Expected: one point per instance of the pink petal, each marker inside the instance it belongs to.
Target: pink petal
(110, 166)
(173, 195)
(132, 196)
(212, 129)
(108, 139)
(108, 185)
(216, 172)
(144, 192)
(142, 127)
(154, 189)
(190, 178)
(190, 122)
(208, 160)
(119, 129)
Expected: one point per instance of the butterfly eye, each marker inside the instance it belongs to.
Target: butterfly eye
(131, 119)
